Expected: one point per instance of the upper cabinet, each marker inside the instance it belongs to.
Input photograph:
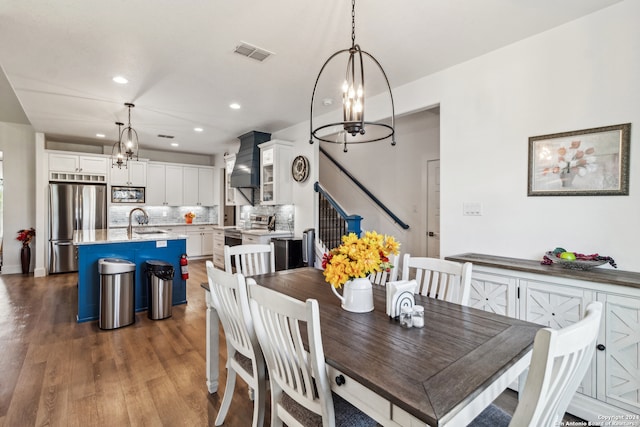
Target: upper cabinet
(166, 184)
(230, 192)
(199, 186)
(69, 166)
(276, 184)
(134, 175)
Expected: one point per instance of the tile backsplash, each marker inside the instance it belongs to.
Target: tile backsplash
(284, 214)
(159, 215)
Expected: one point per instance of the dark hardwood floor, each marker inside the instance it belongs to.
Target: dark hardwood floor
(57, 372)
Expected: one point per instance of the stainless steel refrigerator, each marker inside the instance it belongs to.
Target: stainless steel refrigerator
(73, 207)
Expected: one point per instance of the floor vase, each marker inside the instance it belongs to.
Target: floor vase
(25, 258)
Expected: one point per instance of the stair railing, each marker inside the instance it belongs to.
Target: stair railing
(365, 190)
(333, 221)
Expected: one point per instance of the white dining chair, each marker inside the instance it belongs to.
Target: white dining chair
(300, 392)
(439, 278)
(382, 277)
(250, 260)
(559, 362)
(244, 357)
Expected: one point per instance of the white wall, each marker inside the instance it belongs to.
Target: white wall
(18, 147)
(581, 75)
(395, 175)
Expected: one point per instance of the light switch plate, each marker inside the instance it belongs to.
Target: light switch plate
(472, 209)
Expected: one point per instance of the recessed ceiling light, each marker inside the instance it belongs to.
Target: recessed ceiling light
(174, 144)
(234, 106)
(198, 129)
(100, 135)
(121, 80)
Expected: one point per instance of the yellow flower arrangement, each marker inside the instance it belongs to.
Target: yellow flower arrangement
(358, 257)
(189, 215)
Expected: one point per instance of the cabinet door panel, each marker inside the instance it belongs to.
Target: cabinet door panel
(206, 187)
(557, 307)
(93, 165)
(619, 363)
(63, 162)
(173, 185)
(494, 293)
(155, 194)
(190, 186)
(137, 174)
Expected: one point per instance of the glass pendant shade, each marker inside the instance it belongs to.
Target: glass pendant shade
(118, 156)
(129, 138)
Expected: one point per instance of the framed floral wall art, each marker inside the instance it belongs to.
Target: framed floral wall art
(589, 162)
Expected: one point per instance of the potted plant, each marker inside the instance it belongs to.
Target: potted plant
(25, 236)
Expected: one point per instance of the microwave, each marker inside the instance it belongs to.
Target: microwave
(127, 194)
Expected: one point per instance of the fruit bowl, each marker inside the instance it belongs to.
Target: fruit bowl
(577, 264)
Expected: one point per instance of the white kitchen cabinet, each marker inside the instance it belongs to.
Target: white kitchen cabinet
(230, 192)
(200, 240)
(218, 248)
(276, 184)
(65, 166)
(134, 175)
(199, 187)
(557, 297)
(165, 184)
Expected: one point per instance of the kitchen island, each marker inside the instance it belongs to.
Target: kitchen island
(137, 248)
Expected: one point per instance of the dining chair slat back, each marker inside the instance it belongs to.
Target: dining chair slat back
(382, 277)
(559, 362)
(250, 260)
(300, 389)
(438, 278)
(244, 357)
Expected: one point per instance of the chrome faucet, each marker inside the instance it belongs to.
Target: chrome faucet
(130, 227)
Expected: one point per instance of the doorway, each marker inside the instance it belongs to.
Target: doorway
(433, 208)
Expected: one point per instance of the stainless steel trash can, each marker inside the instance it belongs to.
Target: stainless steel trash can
(159, 289)
(117, 279)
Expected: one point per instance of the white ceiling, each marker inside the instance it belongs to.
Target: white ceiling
(60, 56)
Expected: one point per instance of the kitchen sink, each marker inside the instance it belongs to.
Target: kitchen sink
(151, 232)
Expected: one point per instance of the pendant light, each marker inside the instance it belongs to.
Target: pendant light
(353, 100)
(117, 152)
(129, 137)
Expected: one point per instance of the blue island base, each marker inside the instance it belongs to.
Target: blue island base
(137, 252)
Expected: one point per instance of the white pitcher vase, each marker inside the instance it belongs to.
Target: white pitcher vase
(357, 295)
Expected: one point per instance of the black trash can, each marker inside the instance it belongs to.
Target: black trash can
(117, 280)
(159, 289)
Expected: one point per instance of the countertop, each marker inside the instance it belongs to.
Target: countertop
(598, 274)
(262, 232)
(119, 235)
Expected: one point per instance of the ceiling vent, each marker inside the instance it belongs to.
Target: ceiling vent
(253, 52)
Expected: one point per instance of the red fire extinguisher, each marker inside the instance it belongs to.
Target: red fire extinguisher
(184, 266)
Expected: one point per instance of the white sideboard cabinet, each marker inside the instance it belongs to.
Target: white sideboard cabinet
(556, 297)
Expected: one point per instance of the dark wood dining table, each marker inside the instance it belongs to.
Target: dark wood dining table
(445, 373)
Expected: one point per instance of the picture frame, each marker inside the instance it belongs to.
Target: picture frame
(588, 162)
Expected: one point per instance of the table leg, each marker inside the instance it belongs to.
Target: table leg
(213, 344)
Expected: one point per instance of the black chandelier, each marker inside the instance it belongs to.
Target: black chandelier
(117, 152)
(353, 100)
(129, 137)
